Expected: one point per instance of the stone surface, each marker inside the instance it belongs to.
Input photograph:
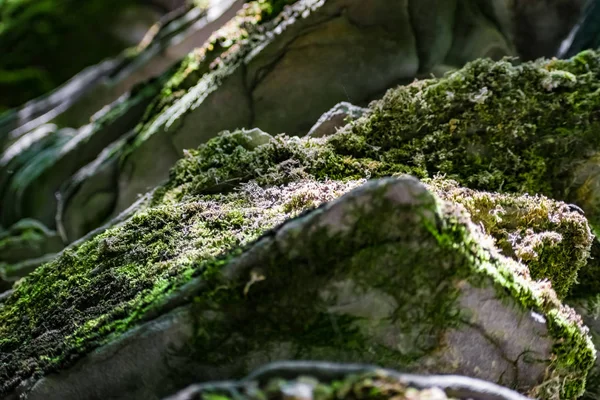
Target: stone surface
(336, 118)
(417, 287)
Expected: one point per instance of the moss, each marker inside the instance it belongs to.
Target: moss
(490, 126)
(552, 240)
(200, 220)
(99, 290)
(94, 293)
(283, 305)
(206, 66)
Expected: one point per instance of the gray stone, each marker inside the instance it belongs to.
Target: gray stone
(335, 118)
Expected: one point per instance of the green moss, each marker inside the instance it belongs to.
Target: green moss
(283, 306)
(219, 55)
(95, 292)
(490, 126)
(553, 241)
(198, 222)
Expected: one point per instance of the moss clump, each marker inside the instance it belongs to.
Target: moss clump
(551, 239)
(494, 126)
(105, 286)
(490, 126)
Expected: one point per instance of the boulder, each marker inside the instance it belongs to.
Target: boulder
(337, 117)
(196, 286)
(235, 80)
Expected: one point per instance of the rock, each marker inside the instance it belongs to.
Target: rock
(235, 80)
(335, 118)
(308, 380)
(229, 61)
(294, 292)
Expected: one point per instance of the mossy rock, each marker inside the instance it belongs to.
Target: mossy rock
(329, 381)
(39, 162)
(236, 79)
(552, 238)
(386, 274)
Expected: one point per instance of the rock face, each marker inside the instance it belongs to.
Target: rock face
(418, 287)
(318, 380)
